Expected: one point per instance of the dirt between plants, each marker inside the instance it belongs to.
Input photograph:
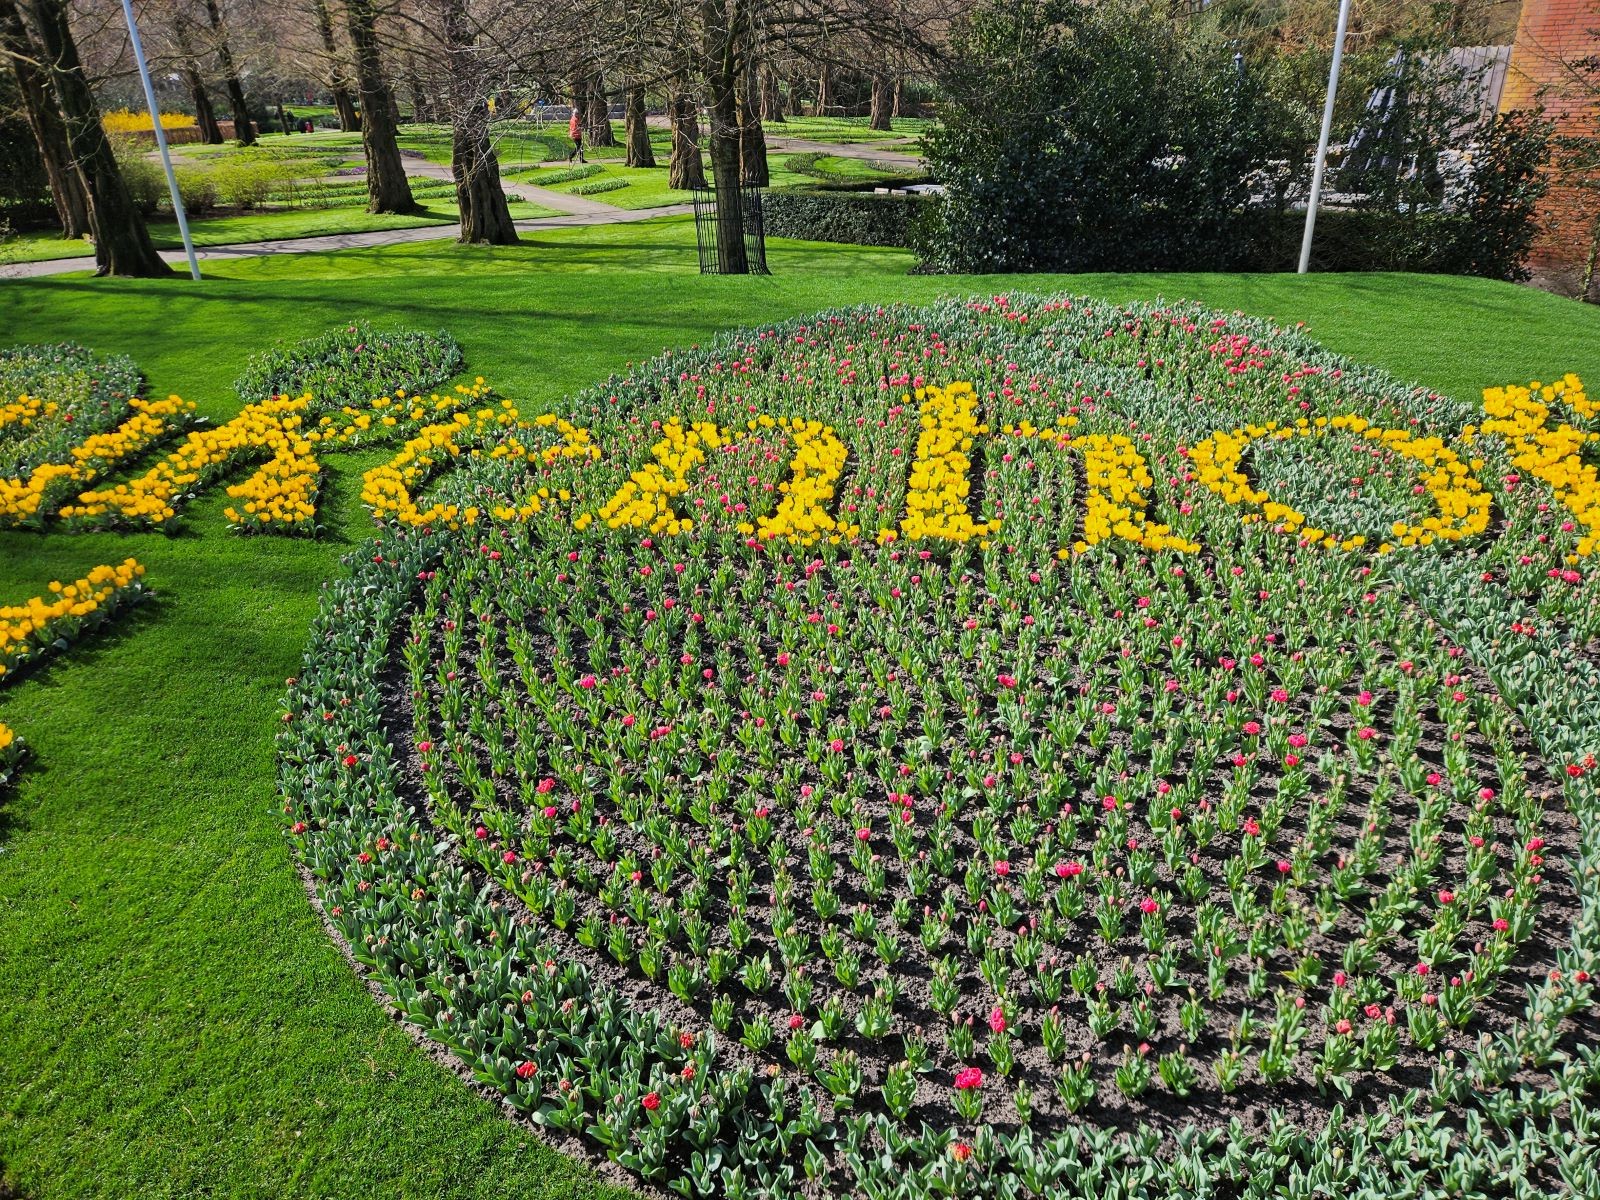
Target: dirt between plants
(1206, 1105)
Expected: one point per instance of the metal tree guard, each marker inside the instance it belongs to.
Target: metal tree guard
(705, 233)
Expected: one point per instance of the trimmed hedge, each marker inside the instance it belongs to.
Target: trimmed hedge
(859, 218)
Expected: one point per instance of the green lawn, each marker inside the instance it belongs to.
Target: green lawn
(647, 186)
(840, 130)
(173, 1020)
(263, 226)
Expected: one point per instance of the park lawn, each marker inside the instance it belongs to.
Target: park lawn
(647, 186)
(173, 1020)
(326, 142)
(265, 226)
(841, 130)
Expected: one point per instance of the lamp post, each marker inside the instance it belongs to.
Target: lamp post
(161, 135)
(1322, 141)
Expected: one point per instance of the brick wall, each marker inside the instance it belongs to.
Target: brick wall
(1551, 36)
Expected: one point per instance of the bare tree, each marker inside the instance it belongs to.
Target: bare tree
(469, 70)
(121, 242)
(387, 188)
(243, 131)
(67, 190)
(189, 65)
(640, 152)
(336, 69)
(684, 168)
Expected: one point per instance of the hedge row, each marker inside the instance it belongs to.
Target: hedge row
(860, 218)
(1345, 241)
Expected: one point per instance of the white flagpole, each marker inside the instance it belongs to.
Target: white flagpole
(1322, 142)
(161, 136)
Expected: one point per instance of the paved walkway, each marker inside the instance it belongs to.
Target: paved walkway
(570, 210)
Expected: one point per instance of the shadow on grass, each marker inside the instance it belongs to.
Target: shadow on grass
(94, 647)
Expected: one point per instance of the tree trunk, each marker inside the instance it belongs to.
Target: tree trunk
(345, 105)
(684, 168)
(338, 77)
(882, 102)
(485, 216)
(724, 22)
(771, 97)
(387, 189)
(121, 241)
(205, 114)
(640, 152)
(752, 138)
(899, 106)
(243, 132)
(67, 192)
(597, 115)
(422, 107)
(824, 91)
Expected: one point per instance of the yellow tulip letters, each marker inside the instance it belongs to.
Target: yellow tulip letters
(281, 494)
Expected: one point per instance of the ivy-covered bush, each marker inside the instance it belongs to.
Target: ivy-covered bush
(860, 218)
(351, 365)
(1016, 747)
(1126, 138)
(54, 397)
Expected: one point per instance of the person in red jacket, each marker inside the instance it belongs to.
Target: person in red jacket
(575, 132)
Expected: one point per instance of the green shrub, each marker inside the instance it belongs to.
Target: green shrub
(599, 185)
(352, 365)
(198, 187)
(251, 181)
(146, 181)
(859, 218)
(1125, 140)
(570, 175)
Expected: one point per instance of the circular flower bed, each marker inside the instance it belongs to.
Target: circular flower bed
(1009, 748)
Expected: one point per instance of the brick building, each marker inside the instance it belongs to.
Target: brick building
(1554, 38)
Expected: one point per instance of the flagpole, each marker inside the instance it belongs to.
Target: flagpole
(161, 136)
(1322, 141)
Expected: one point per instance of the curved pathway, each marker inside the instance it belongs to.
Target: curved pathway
(569, 211)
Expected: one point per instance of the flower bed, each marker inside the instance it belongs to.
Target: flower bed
(1009, 748)
(280, 496)
(352, 365)
(53, 397)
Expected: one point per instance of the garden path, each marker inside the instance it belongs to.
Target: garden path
(570, 210)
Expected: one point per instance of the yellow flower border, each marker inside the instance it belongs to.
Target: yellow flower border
(26, 501)
(1519, 416)
(388, 490)
(1462, 502)
(29, 629)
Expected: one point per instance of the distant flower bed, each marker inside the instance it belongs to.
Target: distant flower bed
(982, 750)
(122, 120)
